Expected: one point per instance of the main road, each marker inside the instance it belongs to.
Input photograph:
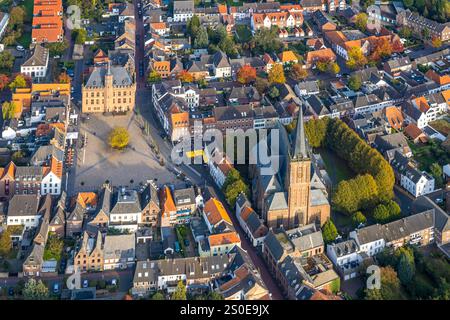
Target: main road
(197, 175)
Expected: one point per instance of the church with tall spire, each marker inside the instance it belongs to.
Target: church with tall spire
(294, 196)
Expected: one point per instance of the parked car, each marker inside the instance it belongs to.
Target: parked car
(20, 48)
(186, 242)
(177, 246)
(85, 283)
(11, 291)
(56, 288)
(114, 282)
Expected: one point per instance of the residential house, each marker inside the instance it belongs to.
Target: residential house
(414, 229)
(150, 204)
(36, 65)
(185, 203)
(47, 21)
(419, 24)
(415, 134)
(441, 221)
(410, 178)
(119, 251)
(23, 209)
(346, 258)
(250, 222)
(126, 212)
(322, 21)
(221, 243)
(183, 10)
(425, 109)
(394, 67)
(89, 256)
(52, 178)
(312, 57)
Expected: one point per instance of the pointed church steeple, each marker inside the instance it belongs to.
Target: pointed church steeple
(299, 147)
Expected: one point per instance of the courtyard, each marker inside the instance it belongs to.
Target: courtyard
(130, 167)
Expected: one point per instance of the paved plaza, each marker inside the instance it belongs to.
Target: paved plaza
(136, 164)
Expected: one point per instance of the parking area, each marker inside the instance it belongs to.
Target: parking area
(130, 167)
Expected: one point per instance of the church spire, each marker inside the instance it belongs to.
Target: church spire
(299, 149)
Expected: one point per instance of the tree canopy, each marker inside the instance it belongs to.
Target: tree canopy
(329, 231)
(246, 74)
(119, 138)
(276, 74)
(180, 292)
(35, 290)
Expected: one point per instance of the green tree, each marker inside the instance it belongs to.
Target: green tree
(53, 248)
(201, 39)
(276, 74)
(358, 218)
(406, 268)
(390, 286)
(436, 172)
(180, 292)
(354, 82)
(381, 213)
(261, 85)
(193, 25)
(18, 82)
(228, 46)
(408, 3)
(5, 242)
(16, 16)
(8, 109)
(394, 209)
(356, 58)
(329, 231)
(119, 138)
(361, 21)
(18, 157)
(274, 92)
(266, 40)
(6, 60)
(80, 36)
(153, 77)
(233, 190)
(213, 295)
(158, 296)
(57, 48)
(35, 290)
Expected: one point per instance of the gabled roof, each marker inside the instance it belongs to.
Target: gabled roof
(38, 58)
(215, 212)
(223, 239)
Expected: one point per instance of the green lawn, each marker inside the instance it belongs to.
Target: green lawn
(25, 39)
(337, 169)
(427, 154)
(28, 4)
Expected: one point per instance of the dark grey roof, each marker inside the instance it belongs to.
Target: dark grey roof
(233, 113)
(406, 226)
(39, 57)
(184, 6)
(125, 201)
(441, 218)
(273, 245)
(299, 145)
(277, 201)
(119, 246)
(345, 247)
(184, 196)
(120, 77)
(220, 60)
(23, 205)
(150, 193)
(370, 234)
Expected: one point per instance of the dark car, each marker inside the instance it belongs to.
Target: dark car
(11, 291)
(186, 242)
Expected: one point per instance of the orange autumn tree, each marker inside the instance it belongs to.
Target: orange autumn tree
(246, 74)
(382, 48)
(63, 78)
(4, 80)
(185, 76)
(276, 74)
(436, 42)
